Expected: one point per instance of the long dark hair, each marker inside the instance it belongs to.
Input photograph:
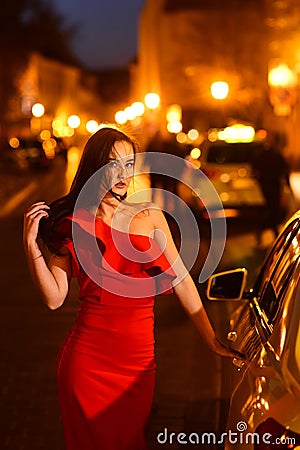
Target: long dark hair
(95, 155)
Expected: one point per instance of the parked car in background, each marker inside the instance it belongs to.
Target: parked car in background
(265, 327)
(227, 163)
(32, 152)
(36, 154)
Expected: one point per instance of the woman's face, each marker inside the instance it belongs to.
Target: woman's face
(121, 165)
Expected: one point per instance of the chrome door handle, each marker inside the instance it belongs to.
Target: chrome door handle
(232, 336)
(239, 363)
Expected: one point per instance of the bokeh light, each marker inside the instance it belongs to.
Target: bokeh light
(195, 153)
(14, 142)
(73, 121)
(174, 113)
(38, 110)
(152, 100)
(120, 117)
(219, 90)
(181, 138)
(174, 127)
(282, 76)
(92, 126)
(45, 134)
(193, 134)
(138, 108)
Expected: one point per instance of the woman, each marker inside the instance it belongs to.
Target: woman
(106, 365)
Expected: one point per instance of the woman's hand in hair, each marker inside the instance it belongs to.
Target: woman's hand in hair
(31, 223)
(52, 278)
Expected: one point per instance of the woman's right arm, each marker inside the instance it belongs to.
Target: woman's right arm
(52, 279)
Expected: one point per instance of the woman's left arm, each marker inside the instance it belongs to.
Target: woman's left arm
(190, 300)
(185, 288)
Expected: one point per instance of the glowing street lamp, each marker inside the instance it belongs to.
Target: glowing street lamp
(282, 76)
(92, 126)
(282, 89)
(38, 110)
(121, 117)
(138, 108)
(195, 153)
(152, 100)
(130, 113)
(193, 134)
(174, 127)
(181, 137)
(174, 113)
(73, 121)
(219, 90)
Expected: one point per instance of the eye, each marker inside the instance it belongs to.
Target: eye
(129, 165)
(113, 164)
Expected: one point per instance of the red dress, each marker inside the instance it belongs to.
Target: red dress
(106, 365)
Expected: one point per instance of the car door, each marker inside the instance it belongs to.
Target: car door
(265, 325)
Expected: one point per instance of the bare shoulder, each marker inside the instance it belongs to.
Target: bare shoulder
(141, 217)
(151, 213)
(156, 215)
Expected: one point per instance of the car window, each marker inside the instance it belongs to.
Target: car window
(232, 153)
(274, 256)
(277, 271)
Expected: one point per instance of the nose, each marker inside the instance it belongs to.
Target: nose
(121, 172)
(125, 172)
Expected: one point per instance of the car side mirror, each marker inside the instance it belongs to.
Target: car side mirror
(227, 285)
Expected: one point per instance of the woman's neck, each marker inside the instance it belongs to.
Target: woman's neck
(107, 208)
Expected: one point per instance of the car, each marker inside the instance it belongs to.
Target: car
(265, 327)
(38, 154)
(32, 152)
(227, 164)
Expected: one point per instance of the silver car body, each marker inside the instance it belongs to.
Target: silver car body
(265, 403)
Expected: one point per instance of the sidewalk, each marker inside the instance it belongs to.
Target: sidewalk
(190, 393)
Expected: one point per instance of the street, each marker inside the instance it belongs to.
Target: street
(193, 385)
(214, 84)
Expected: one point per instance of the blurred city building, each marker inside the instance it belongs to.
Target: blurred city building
(200, 64)
(68, 97)
(283, 20)
(187, 45)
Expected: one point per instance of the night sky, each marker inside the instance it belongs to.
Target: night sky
(107, 30)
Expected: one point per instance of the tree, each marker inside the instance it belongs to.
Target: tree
(49, 33)
(27, 26)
